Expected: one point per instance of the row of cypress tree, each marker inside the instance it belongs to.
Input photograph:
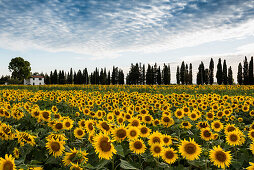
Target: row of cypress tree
(154, 74)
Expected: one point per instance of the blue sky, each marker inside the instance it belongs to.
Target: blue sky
(100, 33)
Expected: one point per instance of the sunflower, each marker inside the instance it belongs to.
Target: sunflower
(252, 147)
(103, 146)
(16, 152)
(7, 163)
(75, 166)
(144, 131)
(147, 118)
(156, 150)
(202, 124)
(75, 156)
(79, 133)
(217, 125)
(167, 121)
(89, 125)
(54, 109)
(120, 133)
(82, 123)
(103, 125)
(229, 128)
(55, 147)
(169, 155)
(133, 132)
(186, 125)
(68, 124)
(137, 146)
(167, 140)
(206, 134)
(193, 115)
(251, 167)
(135, 122)
(45, 115)
(58, 126)
(155, 137)
(233, 138)
(219, 157)
(251, 134)
(210, 116)
(190, 149)
(179, 113)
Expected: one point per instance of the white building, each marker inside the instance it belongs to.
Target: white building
(34, 80)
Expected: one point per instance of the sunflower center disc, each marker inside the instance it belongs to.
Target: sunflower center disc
(105, 145)
(55, 146)
(220, 156)
(169, 154)
(121, 133)
(8, 165)
(138, 145)
(190, 148)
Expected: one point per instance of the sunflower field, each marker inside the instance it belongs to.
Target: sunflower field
(127, 127)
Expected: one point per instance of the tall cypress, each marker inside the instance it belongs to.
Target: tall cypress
(182, 73)
(224, 73)
(245, 72)
(169, 74)
(211, 69)
(206, 76)
(219, 72)
(240, 74)
(158, 76)
(190, 74)
(186, 75)
(178, 75)
(251, 78)
(230, 76)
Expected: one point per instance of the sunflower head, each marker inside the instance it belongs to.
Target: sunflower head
(190, 149)
(55, 147)
(169, 155)
(137, 146)
(7, 163)
(219, 157)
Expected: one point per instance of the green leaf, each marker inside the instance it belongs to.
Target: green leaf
(126, 165)
(119, 150)
(102, 164)
(35, 162)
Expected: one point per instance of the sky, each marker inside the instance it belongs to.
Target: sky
(78, 34)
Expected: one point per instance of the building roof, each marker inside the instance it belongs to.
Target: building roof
(36, 76)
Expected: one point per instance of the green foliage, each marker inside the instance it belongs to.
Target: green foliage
(20, 68)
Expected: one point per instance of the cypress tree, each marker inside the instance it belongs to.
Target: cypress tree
(230, 76)
(165, 74)
(158, 76)
(219, 72)
(169, 74)
(224, 73)
(206, 76)
(190, 74)
(211, 69)
(182, 73)
(178, 75)
(108, 79)
(240, 74)
(251, 78)
(186, 75)
(245, 72)
(51, 78)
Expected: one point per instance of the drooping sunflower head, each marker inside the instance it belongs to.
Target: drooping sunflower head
(45, 115)
(229, 128)
(202, 124)
(137, 146)
(75, 156)
(16, 152)
(89, 125)
(103, 146)
(7, 163)
(190, 149)
(169, 155)
(219, 157)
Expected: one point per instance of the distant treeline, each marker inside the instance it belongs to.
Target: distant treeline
(152, 74)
